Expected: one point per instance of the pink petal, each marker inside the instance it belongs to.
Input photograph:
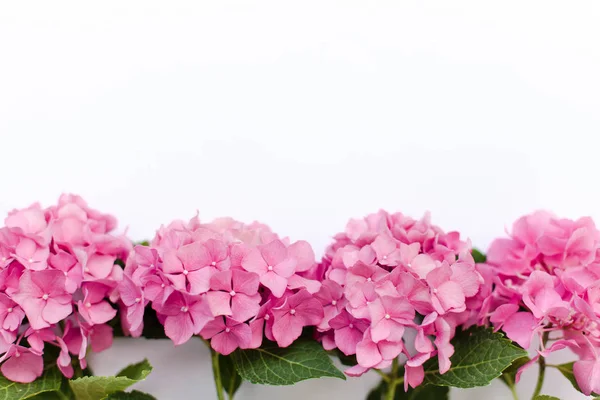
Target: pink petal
(587, 374)
(367, 353)
(53, 311)
(277, 284)
(450, 295)
(244, 307)
(200, 279)
(218, 303)
(179, 328)
(23, 369)
(274, 252)
(303, 253)
(520, 328)
(245, 282)
(287, 329)
(346, 339)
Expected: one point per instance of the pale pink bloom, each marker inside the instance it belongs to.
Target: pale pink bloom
(20, 364)
(298, 310)
(234, 293)
(29, 222)
(185, 316)
(43, 297)
(273, 264)
(540, 295)
(226, 336)
(31, 255)
(97, 266)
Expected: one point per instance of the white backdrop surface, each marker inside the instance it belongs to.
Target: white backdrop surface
(301, 115)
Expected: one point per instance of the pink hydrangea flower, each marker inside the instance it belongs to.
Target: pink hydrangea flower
(229, 282)
(547, 281)
(388, 274)
(57, 279)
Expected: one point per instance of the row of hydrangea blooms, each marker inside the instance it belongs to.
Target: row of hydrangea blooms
(389, 287)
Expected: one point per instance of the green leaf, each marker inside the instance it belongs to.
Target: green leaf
(545, 397)
(133, 395)
(230, 378)
(510, 373)
(49, 382)
(344, 359)
(480, 356)
(567, 371)
(478, 256)
(98, 387)
(271, 365)
(423, 392)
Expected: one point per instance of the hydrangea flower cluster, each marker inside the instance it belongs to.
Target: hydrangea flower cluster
(228, 282)
(57, 278)
(388, 274)
(547, 286)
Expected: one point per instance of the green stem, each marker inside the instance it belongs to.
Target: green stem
(513, 391)
(217, 375)
(542, 369)
(393, 381)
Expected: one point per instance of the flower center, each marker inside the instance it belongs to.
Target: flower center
(434, 290)
(184, 309)
(409, 265)
(351, 326)
(88, 304)
(151, 265)
(213, 263)
(31, 260)
(292, 311)
(185, 271)
(232, 293)
(267, 317)
(17, 354)
(45, 296)
(10, 309)
(369, 279)
(270, 268)
(65, 273)
(162, 285)
(227, 330)
(387, 316)
(3, 258)
(333, 302)
(384, 257)
(137, 299)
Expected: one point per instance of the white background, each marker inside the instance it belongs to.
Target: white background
(301, 115)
